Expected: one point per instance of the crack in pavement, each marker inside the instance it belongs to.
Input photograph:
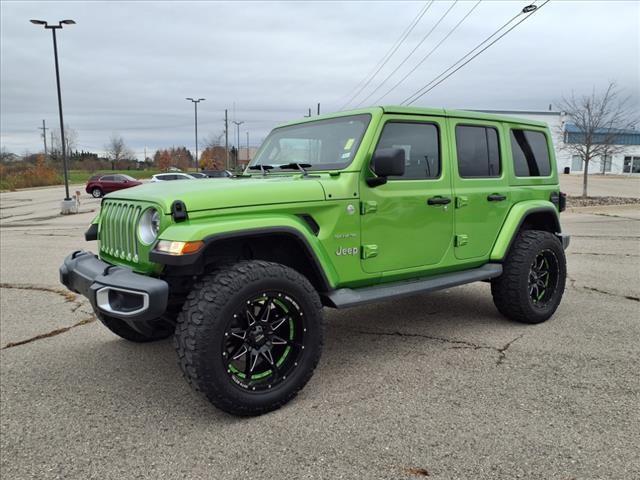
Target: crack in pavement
(573, 281)
(616, 216)
(610, 237)
(50, 334)
(69, 297)
(604, 254)
(49, 217)
(457, 344)
(66, 294)
(50, 235)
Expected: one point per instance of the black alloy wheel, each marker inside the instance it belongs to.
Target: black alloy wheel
(264, 341)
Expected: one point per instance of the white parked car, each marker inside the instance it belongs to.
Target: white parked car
(163, 177)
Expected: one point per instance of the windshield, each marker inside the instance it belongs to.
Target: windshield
(323, 145)
(127, 177)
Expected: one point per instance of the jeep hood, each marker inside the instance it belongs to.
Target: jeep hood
(214, 193)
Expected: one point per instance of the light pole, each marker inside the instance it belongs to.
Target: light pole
(195, 104)
(238, 144)
(68, 205)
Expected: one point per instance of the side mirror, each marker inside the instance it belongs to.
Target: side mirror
(386, 162)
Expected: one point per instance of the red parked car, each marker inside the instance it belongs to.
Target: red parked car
(99, 185)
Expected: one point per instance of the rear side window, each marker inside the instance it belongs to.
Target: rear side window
(108, 178)
(530, 153)
(478, 151)
(421, 148)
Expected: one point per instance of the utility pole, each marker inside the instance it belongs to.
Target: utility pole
(195, 104)
(248, 157)
(238, 142)
(44, 136)
(226, 137)
(68, 205)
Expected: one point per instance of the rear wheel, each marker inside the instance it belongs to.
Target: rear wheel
(533, 279)
(151, 332)
(96, 192)
(250, 336)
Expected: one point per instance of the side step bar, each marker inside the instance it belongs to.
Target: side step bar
(348, 297)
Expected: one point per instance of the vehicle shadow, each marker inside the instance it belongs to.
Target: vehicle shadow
(150, 371)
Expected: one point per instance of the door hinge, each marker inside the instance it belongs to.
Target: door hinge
(462, 202)
(461, 240)
(369, 251)
(369, 206)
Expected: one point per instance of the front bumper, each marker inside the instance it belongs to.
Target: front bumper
(113, 290)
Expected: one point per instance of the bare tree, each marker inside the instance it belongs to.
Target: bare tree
(117, 150)
(5, 155)
(214, 140)
(70, 137)
(599, 118)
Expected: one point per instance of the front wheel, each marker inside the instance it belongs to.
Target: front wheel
(533, 278)
(250, 336)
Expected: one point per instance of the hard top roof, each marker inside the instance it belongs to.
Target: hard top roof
(439, 112)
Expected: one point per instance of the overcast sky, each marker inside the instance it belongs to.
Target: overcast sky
(126, 67)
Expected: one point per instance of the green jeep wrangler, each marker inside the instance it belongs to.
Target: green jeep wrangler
(336, 211)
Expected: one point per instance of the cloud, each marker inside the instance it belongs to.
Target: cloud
(127, 66)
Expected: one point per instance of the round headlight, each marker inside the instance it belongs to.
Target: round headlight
(149, 226)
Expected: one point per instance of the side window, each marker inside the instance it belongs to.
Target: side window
(530, 153)
(421, 148)
(107, 178)
(478, 151)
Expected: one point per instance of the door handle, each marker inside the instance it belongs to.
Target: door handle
(438, 201)
(496, 197)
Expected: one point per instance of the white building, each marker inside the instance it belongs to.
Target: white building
(624, 162)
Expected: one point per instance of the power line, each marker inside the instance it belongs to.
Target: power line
(472, 50)
(377, 102)
(367, 79)
(428, 34)
(431, 85)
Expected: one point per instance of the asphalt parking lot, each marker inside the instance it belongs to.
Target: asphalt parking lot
(438, 386)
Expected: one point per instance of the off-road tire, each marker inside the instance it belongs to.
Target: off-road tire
(510, 291)
(120, 328)
(205, 318)
(96, 192)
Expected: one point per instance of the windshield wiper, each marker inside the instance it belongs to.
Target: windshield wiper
(297, 166)
(263, 168)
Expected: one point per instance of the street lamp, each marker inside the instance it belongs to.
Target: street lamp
(68, 205)
(238, 152)
(195, 104)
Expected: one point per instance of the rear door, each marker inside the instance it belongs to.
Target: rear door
(408, 222)
(480, 185)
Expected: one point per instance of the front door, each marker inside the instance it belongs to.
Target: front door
(408, 222)
(480, 185)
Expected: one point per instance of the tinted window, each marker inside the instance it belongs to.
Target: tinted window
(530, 153)
(478, 151)
(421, 148)
(108, 178)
